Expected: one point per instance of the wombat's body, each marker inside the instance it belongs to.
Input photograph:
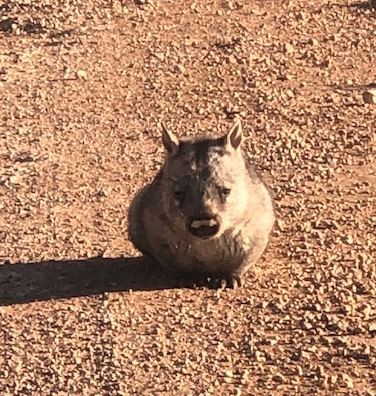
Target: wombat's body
(206, 212)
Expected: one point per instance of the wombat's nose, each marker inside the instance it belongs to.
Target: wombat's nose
(204, 227)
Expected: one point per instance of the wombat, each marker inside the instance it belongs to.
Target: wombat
(206, 213)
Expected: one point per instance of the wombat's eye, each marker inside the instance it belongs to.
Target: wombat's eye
(179, 195)
(224, 192)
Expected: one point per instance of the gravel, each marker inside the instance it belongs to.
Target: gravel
(83, 87)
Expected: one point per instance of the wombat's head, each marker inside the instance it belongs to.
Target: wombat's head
(205, 189)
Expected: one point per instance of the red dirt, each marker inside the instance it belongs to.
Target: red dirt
(83, 86)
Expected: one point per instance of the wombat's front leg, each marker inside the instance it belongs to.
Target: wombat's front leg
(192, 280)
(234, 280)
(224, 281)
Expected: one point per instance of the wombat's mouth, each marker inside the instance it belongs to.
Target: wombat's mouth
(204, 228)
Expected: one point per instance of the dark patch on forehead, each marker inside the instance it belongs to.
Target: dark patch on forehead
(201, 152)
(200, 149)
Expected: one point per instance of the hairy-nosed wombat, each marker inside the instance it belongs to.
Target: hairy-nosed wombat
(206, 213)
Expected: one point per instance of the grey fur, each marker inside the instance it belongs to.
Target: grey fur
(203, 185)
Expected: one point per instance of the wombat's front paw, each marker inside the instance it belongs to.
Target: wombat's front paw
(192, 281)
(226, 281)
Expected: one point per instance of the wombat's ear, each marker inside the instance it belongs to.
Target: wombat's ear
(235, 136)
(170, 141)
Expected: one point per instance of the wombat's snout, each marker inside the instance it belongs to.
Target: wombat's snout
(204, 227)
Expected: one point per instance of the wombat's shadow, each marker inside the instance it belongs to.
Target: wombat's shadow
(363, 5)
(22, 283)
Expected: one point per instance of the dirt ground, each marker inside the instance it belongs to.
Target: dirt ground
(83, 86)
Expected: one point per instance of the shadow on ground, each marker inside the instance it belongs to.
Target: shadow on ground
(22, 283)
(364, 5)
